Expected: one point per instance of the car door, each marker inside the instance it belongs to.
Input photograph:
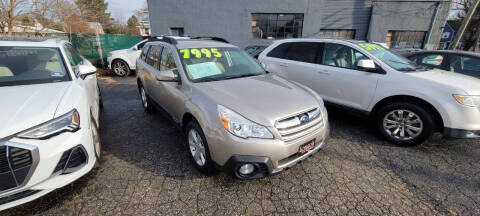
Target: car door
(170, 95)
(338, 80)
(468, 65)
(151, 69)
(298, 61)
(89, 83)
(142, 61)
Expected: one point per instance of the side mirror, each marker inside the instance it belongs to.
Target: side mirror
(167, 76)
(366, 65)
(86, 70)
(134, 48)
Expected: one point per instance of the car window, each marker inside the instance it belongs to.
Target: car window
(153, 56)
(73, 56)
(279, 51)
(465, 65)
(143, 56)
(167, 62)
(342, 56)
(31, 65)
(213, 64)
(430, 60)
(303, 52)
(141, 45)
(390, 58)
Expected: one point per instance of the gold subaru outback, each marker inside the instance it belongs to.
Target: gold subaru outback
(236, 116)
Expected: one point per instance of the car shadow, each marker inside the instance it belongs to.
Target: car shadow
(443, 172)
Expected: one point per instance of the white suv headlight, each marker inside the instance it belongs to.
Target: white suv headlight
(240, 126)
(68, 122)
(468, 100)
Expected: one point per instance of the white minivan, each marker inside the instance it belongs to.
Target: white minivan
(408, 102)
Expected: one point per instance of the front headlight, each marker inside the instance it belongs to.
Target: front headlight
(468, 100)
(68, 122)
(110, 54)
(240, 126)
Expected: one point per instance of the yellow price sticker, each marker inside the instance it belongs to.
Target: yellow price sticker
(370, 46)
(199, 53)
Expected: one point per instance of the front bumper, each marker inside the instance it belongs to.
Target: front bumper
(278, 157)
(45, 175)
(460, 133)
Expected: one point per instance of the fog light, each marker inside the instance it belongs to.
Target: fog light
(246, 169)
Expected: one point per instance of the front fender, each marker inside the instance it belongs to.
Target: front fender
(440, 103)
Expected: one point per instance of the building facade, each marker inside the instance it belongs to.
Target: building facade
(398, 23)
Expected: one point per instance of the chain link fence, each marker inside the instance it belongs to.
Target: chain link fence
(96, 47)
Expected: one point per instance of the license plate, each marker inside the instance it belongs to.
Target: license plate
(307, 147)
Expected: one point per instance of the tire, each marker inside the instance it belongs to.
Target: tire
(146, 101)
(121, 68)
(201, 159)
(416, 125)
(97, 143)
(100, 98)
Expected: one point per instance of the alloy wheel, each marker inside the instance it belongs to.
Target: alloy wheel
(120, 68)
(96, 141)
(197, 149)
(144, 97)
(402, 124)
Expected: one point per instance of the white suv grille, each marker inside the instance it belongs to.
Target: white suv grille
(295, 127)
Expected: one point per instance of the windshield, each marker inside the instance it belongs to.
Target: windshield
(29, 65)
(390, 58)
(213, 64)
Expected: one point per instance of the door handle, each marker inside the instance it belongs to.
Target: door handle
(325, 72)
(283, 65)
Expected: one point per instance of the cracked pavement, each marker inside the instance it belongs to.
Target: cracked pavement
(146, 171)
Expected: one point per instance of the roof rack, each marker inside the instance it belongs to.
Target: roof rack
(211, 38)
(171, 40)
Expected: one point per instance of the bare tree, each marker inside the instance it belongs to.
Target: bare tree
(10, 11)
(472, 36)
(52, 13)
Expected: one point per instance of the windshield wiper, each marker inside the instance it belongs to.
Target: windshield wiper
(407, 69)
(241, 76)
(208, 79)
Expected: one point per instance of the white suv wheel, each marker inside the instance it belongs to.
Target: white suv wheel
(403, 124)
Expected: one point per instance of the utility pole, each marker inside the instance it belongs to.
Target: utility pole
(464, 25)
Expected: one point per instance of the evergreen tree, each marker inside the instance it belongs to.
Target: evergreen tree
(94, 11)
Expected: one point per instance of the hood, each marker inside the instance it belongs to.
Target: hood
(262, 99)
(26, 106)
(470, 85)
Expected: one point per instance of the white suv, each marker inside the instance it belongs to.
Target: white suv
(122, 62)
(49, 118)
(408, 102)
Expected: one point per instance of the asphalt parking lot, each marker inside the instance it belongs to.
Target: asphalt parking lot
(146, 171)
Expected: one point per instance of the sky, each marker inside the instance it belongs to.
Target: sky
(124, 9)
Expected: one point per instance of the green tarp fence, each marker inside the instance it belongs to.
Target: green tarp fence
(88, 45)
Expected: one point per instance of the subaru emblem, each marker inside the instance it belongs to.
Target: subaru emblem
(304, 119)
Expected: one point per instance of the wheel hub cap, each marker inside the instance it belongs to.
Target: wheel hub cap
(403, 124)
(197, 149)
(144, 97)
(120, 68)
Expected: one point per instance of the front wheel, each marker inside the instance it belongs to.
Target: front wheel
(197, 147)
(97, 143)
(146, 102)
(405, 124)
